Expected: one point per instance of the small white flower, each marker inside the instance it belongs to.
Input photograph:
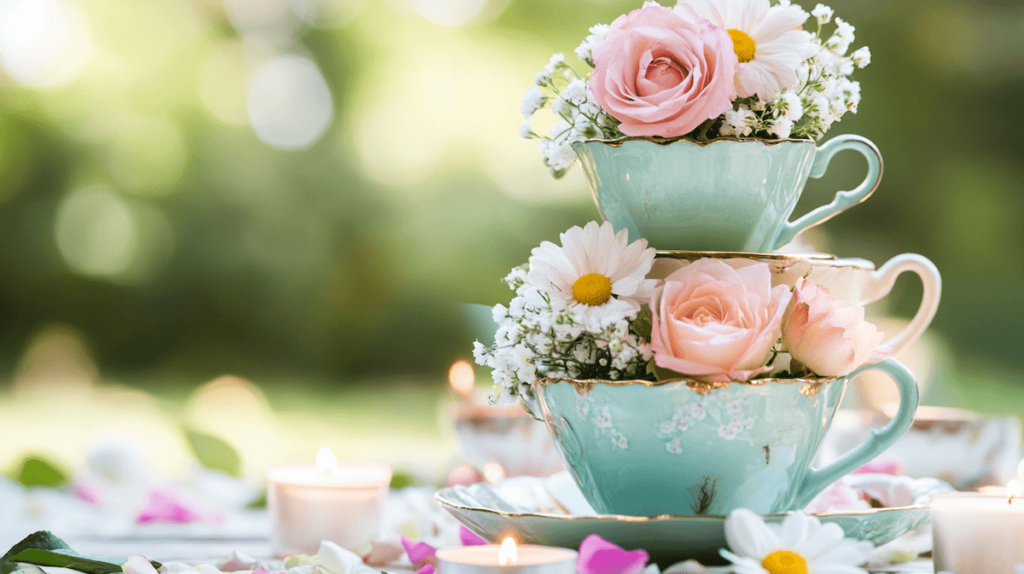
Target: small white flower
(741, 120)
(783, 128)
(823, 13)
(794, 106)
(532, 101)
(800, 545)
(697, 412)
(862, 57)
(576, 92)
(525, 131)
(542, 79)
(621, 442)
(556, 62)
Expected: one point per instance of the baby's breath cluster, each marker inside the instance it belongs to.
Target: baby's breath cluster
(565, 93)
(540, 336)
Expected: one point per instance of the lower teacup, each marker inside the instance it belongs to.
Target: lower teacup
(852, 280)
(684, 447)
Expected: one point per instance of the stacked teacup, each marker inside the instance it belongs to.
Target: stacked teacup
(700, 446)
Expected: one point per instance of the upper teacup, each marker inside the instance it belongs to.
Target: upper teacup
(729, 194)
(853, 280)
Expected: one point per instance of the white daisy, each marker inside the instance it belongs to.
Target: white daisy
(767, 39)
(592, 265)
(800, 545)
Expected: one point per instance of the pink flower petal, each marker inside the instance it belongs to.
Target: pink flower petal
(163, 508)
(887, 465)
(420, 553)
(598, 556)
(470, 538)
(428, 569)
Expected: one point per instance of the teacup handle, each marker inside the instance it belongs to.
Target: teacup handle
(817, 479)
(844, 199)
(883, 281)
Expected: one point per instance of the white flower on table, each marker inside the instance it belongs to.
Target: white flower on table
(330, 559)
(800, 545)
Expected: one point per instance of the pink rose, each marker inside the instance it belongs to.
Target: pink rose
(829, 337)
(711, 320)
(663, 72)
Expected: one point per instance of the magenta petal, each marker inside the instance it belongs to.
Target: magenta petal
(165, 509)
(598, 556)
(418, 551)
(469, 538)
(428, 569)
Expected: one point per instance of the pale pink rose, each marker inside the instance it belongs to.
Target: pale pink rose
(716, 322)
(663, 72)
(829, 337)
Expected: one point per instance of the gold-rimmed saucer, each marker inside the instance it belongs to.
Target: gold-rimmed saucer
(551, 512)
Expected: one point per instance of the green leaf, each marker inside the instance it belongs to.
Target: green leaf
(214, 453)
(259, 502)
(37, 471)
(43, 540)
(45, 549)
(642, 325)
(401, 479)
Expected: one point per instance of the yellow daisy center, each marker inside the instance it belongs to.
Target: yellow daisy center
(784, 562)
(743, 45)
(593, 290)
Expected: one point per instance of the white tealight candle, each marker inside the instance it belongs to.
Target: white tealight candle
(340, 502)
(977, 532)
(509, 558)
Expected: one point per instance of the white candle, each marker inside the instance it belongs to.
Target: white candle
(977, 532)
(342, 503)
(508, 558)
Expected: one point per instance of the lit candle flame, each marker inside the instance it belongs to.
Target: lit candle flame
(509, 554)
(462, 378)
(326, 461)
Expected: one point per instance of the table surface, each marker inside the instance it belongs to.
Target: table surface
(211, 550)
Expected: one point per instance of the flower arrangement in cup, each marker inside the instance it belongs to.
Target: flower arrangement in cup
(703, 68)
(586, 309)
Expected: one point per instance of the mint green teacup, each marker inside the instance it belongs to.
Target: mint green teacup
(681, 447)
(729, 194)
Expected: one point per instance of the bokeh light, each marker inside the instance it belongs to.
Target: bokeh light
(461, 377)
(290, 105)
(223, 81)
(96, 232)
(43, 43)
(148, 155)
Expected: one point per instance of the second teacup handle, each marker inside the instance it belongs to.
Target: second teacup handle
(817, 479)
(885, 278)
(844, 199)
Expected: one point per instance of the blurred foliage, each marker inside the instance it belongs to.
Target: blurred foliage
(138, 206)
(214, 453)
(38, 471)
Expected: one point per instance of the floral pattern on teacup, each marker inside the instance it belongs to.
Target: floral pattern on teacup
(719, 411)
(604, 426)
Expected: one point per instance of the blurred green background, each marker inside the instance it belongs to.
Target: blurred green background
(300, 192)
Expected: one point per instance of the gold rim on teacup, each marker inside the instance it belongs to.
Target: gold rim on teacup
(811, 385)
(617, 142)
(824, 259)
